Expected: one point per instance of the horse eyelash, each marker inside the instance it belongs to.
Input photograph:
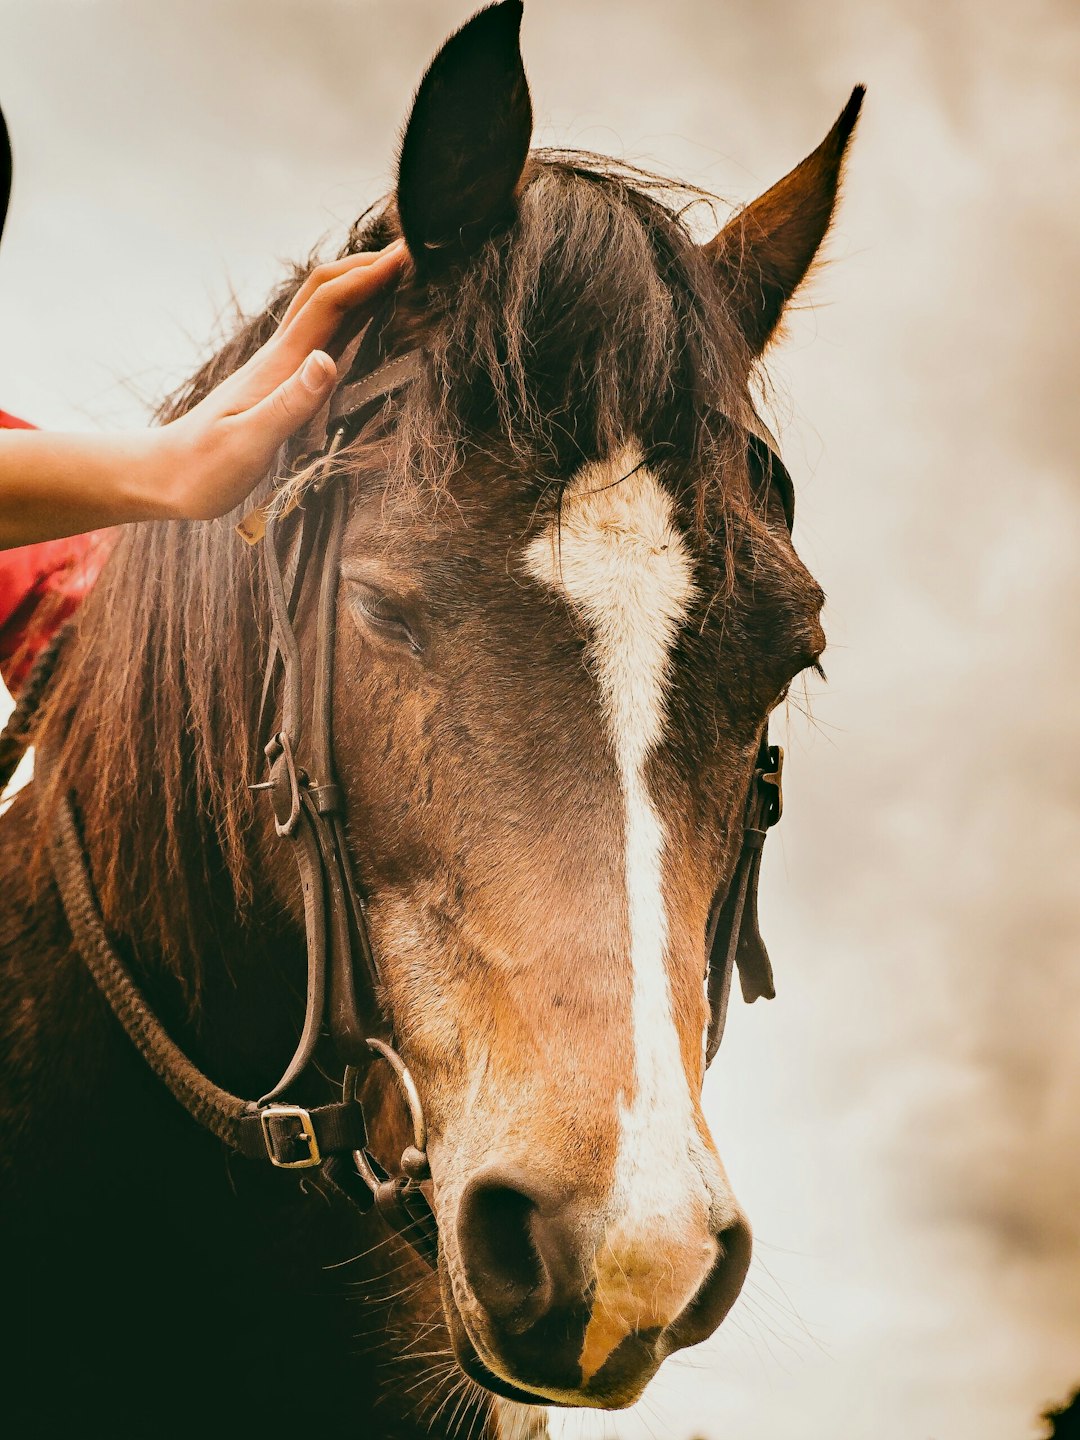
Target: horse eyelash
(393, 623)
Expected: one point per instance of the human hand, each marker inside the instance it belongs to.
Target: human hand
(210, 458)
(204, 463)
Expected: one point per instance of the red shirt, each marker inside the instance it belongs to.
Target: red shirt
(41, 586)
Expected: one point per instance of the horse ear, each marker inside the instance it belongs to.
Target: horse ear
(466, 141)
(763, 254)
(5, 171)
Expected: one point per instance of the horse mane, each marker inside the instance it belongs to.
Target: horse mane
(596, 321)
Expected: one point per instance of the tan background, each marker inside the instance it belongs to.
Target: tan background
(902, 1124)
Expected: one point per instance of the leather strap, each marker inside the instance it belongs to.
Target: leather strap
(350, 399)
(309, 810)
(733, 936)
(292, 584)
(15, 737)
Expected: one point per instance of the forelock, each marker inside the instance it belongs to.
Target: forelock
(595, 322)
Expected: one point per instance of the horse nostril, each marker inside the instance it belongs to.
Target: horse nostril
(496, 1236)
(720, 1289)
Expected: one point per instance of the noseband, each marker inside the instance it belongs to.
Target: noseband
(344, 991)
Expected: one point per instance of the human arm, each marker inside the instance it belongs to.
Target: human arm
(203, 463)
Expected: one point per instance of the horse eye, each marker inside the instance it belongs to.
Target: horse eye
(385, 615)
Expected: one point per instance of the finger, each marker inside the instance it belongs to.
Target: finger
(314, 326)
(330, 270)
(337, 294)
(335, 268)
(292, 404)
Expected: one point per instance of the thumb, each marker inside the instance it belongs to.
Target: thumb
(297, 399)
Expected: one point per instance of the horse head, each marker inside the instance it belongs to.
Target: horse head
(570, 601)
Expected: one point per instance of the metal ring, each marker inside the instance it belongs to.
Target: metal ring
(367, 1174)
(408, 1086)
(414, 1161)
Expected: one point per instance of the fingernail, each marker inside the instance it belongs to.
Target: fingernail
(317, 371)
(395, 247)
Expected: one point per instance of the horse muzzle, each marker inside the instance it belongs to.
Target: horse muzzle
(546, 1304)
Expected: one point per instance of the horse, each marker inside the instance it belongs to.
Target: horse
(568, 601)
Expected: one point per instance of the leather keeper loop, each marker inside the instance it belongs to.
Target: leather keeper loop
(388, 1198)
(327, 798)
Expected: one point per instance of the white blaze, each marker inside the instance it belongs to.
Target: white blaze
(619, 560)
(623, 565)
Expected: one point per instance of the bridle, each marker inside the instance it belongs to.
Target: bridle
(344, 993)
(308, 813)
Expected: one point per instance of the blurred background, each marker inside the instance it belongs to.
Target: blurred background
(903, 1123)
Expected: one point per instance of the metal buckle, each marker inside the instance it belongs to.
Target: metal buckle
(306, 1134)
(774, 778)
(278, 751)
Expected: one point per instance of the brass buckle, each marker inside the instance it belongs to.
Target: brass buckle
(774, 778)
(307, 1135)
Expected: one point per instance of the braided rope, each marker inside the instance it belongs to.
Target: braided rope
(215, 1108)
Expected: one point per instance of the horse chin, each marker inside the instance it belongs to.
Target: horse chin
(465, 1353)
(471, 1363)
(475, 1369)
(468, 1357)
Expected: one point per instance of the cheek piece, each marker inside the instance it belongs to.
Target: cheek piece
(343, 981)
